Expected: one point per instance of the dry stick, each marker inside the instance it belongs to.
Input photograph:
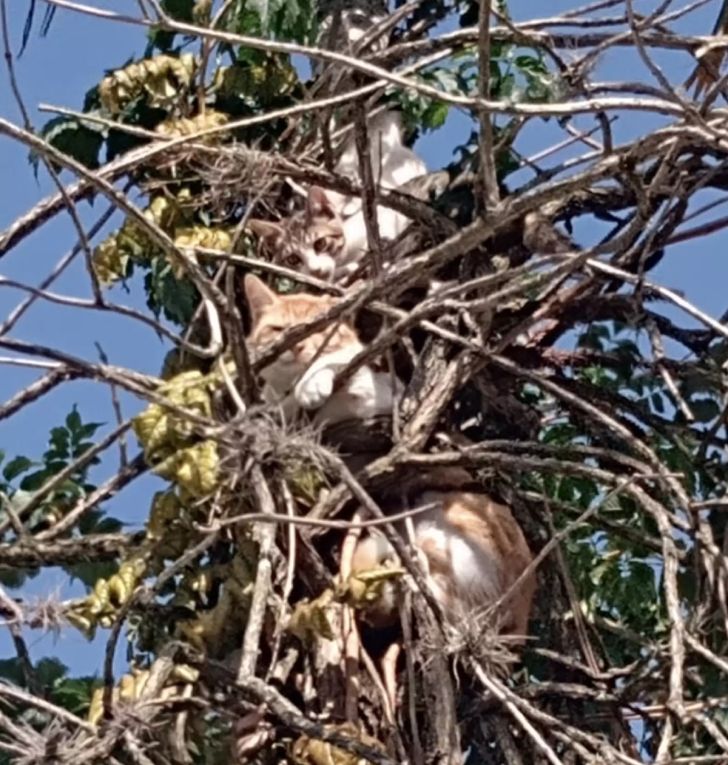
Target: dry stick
(405, 615)
(531, 33)
(322, 523)
(597, 415)
(663, 292)
(261, 591)
(558, 537)
(73, 213)
(31, 553)
(370, 187)
(289, 580)
(133, 470)
(210, 296)
(116, 406)
(141, 385)
(706, 653)
(50, 206)
(36, 389)
(574, 735)
(278, 705)
(206, 51)
(584, 106)
(139, 595)
(587, 61)
(477, 457)
(35, 700)
(499, 692)
(23, 656)
(491, 196)
(136, 751)
(658, 352)
(437, 304)
(408, 560)
(122, 310)
(124, 164)
(352, 641)
(619, 724)
(63, 475)
(636, 28)
(60, 267)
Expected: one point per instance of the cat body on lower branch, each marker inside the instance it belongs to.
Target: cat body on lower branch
(473, 552)
(303, 377)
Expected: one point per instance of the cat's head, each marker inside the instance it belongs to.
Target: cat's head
(310, 242)
(271, 314)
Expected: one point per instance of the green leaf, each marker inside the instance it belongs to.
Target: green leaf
(49, 670)
(176, 298)
(60, 440)
(74, 694)
(94, 522)
(89, 572)
(73, 420)
(34, 481)
(705, 409)
(17, 466)
(89, 429)
(77, 140)
(16, 577)
(531, 64)
(181, 10)
(435, 115)
(11, 670)
(657, 403)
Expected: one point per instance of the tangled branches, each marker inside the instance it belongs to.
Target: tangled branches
(542, 362)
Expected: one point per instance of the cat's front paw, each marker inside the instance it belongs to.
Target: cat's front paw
(313, 390)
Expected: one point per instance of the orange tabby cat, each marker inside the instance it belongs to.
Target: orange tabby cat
(473, 550)
(302, 377)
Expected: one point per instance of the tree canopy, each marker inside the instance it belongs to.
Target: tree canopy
(554, 366)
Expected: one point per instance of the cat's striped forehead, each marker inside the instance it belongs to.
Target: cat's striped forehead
(296, 308)
(291, 310)
(299, 229)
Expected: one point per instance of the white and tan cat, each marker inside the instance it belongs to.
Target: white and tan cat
(473, 551)
(302, 377)
(329, 239)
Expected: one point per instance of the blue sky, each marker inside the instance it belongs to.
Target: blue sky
(58, 70)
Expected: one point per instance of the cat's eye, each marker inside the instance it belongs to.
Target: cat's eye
(320, 245)
(292, 260)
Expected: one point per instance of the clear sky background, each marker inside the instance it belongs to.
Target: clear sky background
(58, 70)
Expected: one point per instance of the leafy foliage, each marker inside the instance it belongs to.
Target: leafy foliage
(81, 141)
(23, 477)
(601, 436)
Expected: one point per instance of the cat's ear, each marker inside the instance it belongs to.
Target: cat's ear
(270, 232)
(319, 205)
(259, 296)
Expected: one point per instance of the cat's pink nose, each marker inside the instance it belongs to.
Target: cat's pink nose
(321, 272)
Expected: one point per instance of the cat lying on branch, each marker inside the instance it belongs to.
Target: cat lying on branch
(302, 377)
